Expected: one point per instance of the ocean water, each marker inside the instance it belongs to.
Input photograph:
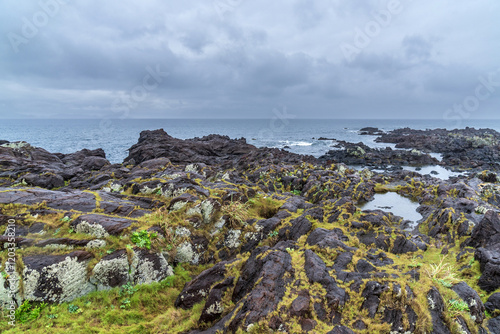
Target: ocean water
(115, 136)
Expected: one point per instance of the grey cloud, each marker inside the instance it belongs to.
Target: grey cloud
(256, 56)
(418, 48)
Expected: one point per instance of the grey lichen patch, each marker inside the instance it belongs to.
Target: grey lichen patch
(96, 244)
(186, 253)
(232, 239)
(172, 192)
(207, 210)
(147, 271)
(30, 280)
(431, 302)
(93, 229)
(366, 173)
(9, 289)
(178, 205)
(171, 176)
(16, 145)
(191, 168)
(215, 308)
(251, 236)
(60, 282)
(113, 187)
(194, 211)
(358, 152)
(148, 191)
(481, 210)
(182, 232)
(58, 247)
(218, 226)
(107, 272)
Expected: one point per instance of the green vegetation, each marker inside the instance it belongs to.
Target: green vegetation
(458, 305)
(273, 234)
(237, 213)
(29, 312)
(146, 309)
(66, 219)
(150, 308)
(142, 239)
(264, 207)
(74, 309)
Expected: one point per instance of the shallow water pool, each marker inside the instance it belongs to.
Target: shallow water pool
(435, 171)
(395, 203)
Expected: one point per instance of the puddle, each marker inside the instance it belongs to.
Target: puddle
(435, 171)
(397, 204)
(437, 156)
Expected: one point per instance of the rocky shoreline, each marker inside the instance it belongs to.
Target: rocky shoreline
(272, 240)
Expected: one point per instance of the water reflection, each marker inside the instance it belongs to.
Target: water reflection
(395, 203)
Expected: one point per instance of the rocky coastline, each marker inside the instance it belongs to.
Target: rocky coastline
(246, 239)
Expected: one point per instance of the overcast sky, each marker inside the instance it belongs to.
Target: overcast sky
(244, 58)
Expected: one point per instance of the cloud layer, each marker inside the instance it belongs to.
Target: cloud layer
(241, 59)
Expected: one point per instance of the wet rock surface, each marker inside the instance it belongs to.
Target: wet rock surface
(272, 241)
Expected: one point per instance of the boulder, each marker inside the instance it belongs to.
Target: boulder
(493, 303)
(56, 278)
(489, 262)
(437, 308)
(100, 226)
(470, 296)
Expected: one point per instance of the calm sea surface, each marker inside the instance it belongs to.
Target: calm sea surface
(116, 136)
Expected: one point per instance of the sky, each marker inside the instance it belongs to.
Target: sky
(246, 59)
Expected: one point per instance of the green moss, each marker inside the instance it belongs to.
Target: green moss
(151, 311)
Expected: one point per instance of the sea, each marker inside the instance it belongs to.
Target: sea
(116, 136)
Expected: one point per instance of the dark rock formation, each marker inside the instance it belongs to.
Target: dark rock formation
(210, 150)
(360, 154)
(493, 303)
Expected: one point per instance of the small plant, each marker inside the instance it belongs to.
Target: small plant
(444, 283)
(273, 234)
(441, 271)
(289, 250)
(458, 305)
(125, 303)
(142, 239)
(110, 251)
(65, 219)
(296, 192)
(27, 312)
(74, 309)
(127, 290)
(71, 230)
